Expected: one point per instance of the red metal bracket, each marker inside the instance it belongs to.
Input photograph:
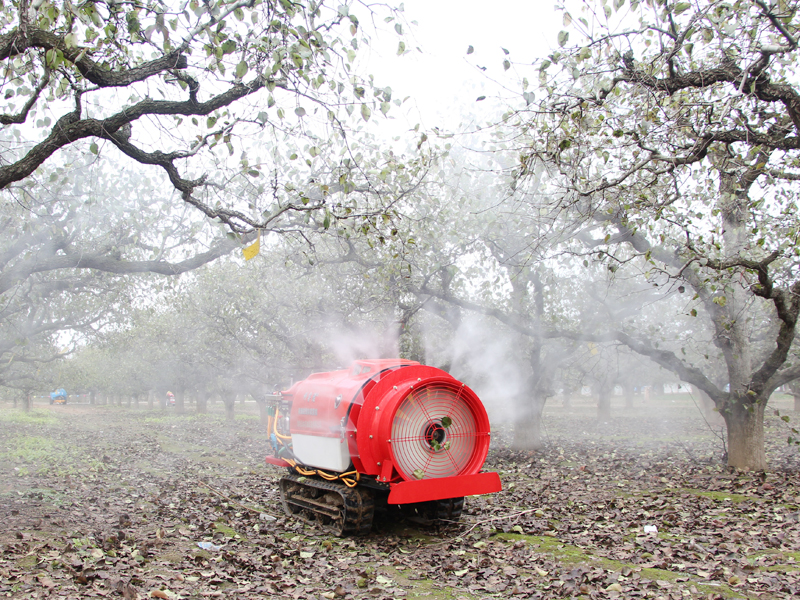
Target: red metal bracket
(442, 488)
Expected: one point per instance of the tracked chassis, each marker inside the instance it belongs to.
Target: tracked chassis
(342, 510)
(349, 511)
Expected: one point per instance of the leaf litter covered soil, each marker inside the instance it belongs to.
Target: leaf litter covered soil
(113, 502)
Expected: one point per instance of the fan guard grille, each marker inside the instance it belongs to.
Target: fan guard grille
(434, 433)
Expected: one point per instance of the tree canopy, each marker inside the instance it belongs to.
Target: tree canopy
(187, 88)
(666, 145)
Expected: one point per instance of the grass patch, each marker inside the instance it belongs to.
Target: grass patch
(227, 531)
(31, 449)
(44, 456)
(572, 555)
(33, 417)
(417, 589)
(720, 496)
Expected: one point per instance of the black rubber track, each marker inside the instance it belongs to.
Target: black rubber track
(336, 507)
(450, 509)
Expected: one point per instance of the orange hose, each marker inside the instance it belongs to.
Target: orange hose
(350, 479)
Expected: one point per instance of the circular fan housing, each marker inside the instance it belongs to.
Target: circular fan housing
(421, 423)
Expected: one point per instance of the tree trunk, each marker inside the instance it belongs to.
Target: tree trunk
(603, 402)
(263, 417)
(797, 403)
(628, 388)
(180, 407)
(27, 402)
(230, 406)
(202, 402)
(745, 424)
(92, 397)
(528, 424)
(150, 395)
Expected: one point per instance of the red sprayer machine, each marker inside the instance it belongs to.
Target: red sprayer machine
(383, 431)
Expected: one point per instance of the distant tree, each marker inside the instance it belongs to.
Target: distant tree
(67, 248)
(668, 139)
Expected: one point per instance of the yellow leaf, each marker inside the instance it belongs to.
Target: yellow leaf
(253, 249)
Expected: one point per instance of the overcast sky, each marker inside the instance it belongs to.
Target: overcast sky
(443, 78)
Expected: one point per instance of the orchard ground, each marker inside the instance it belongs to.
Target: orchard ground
(110, 501)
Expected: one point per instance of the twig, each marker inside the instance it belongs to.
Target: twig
(519, 514)
(692, 457)
(229, 499)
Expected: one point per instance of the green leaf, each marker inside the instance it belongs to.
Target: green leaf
(563, 37)
(241, 69)
(506, 65)
(681, 7)
(419, 473)
(93, 148)
(51, 58)
(401, 48)
(470, 50)
(365, 112)
(300, 111)
(446, 422)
